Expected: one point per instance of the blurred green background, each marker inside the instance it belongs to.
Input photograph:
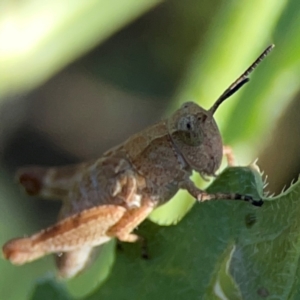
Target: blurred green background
(78, 77)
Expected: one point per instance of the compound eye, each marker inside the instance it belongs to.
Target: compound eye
(189, 131)
(186, 123)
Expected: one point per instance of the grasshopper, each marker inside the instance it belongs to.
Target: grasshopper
(109, 197)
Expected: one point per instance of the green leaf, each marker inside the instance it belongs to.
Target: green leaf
(265, 260)
(222, 285)
(49, 290)
(173, 211)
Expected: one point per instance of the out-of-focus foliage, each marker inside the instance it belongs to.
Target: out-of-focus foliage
(38, 38)
(16, 285)
(183, 50)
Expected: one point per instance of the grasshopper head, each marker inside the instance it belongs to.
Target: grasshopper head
(196, 137)
(194, 131)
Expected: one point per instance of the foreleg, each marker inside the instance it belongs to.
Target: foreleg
(201, 195)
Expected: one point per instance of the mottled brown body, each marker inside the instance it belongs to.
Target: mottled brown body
(109, 197)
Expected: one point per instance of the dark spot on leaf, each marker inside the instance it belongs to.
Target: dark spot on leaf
(250, 220)
(263, 292)
(120, 246)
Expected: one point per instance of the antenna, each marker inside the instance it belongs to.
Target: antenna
(244, 78)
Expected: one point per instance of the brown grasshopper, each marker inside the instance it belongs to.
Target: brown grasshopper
(109, 197)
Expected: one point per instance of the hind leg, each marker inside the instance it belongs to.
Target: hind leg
(53, 182)
(71, 263)
(85, 229)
